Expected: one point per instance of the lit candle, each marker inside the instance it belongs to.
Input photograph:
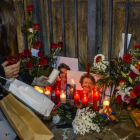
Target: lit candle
(39, 89)
(48, 91)
(76, 98)
(63, 97)
(106, 102)
(95, 100)
(57, 94)
(85, 100)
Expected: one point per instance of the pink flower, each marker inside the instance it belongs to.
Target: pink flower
(126, 99)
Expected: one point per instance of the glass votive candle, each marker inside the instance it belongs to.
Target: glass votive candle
(57, 94)
(76, 98)
(39, 89)
(106, 101)
(85, 100)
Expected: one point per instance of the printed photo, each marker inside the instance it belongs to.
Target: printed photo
(70, 88)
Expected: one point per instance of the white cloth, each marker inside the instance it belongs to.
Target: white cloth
(31, 97)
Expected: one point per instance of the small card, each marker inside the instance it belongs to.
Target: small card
(34, 52)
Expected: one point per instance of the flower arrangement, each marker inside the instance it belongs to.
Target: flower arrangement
(33, 60)
(86, 120)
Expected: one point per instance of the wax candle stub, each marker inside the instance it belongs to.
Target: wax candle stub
(63, 97)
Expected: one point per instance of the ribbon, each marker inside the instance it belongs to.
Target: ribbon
(108, 112)
(88, 69)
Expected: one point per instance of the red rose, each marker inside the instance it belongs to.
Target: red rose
(132, 74)
(12, 59)
(137, 46)
(133, 102)
(39, 43)
(36, 26)
(42, 61)
(40, 53)
(27, 52)
(119, 99)
(121, 81)
(60, 44)
(35, 46)
(136, 90)
(30, 8)
(21, 55)
(53, 45)
(30, 56)
(127, 58)
(29, 64)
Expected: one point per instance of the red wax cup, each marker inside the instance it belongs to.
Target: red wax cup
(95, 99)
(57, 94)
(85, 100)
(76, 98)
(12, 59)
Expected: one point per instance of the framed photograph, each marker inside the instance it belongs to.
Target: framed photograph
(70, 88)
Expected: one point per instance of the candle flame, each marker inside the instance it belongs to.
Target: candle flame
(72, 81)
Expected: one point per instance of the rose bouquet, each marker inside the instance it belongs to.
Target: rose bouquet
(33, 60)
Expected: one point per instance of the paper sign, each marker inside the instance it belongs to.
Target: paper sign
(121, 53)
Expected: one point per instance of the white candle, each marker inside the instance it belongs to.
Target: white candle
(63, 97)
(106, 102)
(53, 76)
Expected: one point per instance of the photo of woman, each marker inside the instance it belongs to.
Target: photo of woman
(87, 82)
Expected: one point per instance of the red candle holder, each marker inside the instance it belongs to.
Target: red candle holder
(76, 98)
(57, 94)
(12, 59)
(96, 99)
(48, 91)
(84, 100)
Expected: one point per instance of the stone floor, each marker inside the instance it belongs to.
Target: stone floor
(121, 131)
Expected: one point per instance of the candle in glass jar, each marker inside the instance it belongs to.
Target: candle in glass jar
(57, 94)
(85, 100)
(63, 97)
(76, 98)
(106, 102)
(39, 89)
(48, 91)
(95, 100)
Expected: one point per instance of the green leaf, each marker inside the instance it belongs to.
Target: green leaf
(30, 36)
(123, 74)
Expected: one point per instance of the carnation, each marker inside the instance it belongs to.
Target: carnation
(136, 90)
(127, 58)
(99, 58)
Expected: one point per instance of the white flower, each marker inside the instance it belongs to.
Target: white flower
(99, 57)
(30, 30)
(56, 119)
(135, 70)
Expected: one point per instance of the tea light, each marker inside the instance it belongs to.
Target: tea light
(63, 97)
(39, 89)
(106, 102)
(76, 98)
(48, 91)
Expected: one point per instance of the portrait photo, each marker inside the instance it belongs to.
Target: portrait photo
(70, 88)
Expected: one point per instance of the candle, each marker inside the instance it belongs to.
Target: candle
(57, 94)
(85, 100)
(63, 97)
(76, 98)
(39, 89)
(106, 102)
(48, 91)
(53, 76)
(95, 100)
